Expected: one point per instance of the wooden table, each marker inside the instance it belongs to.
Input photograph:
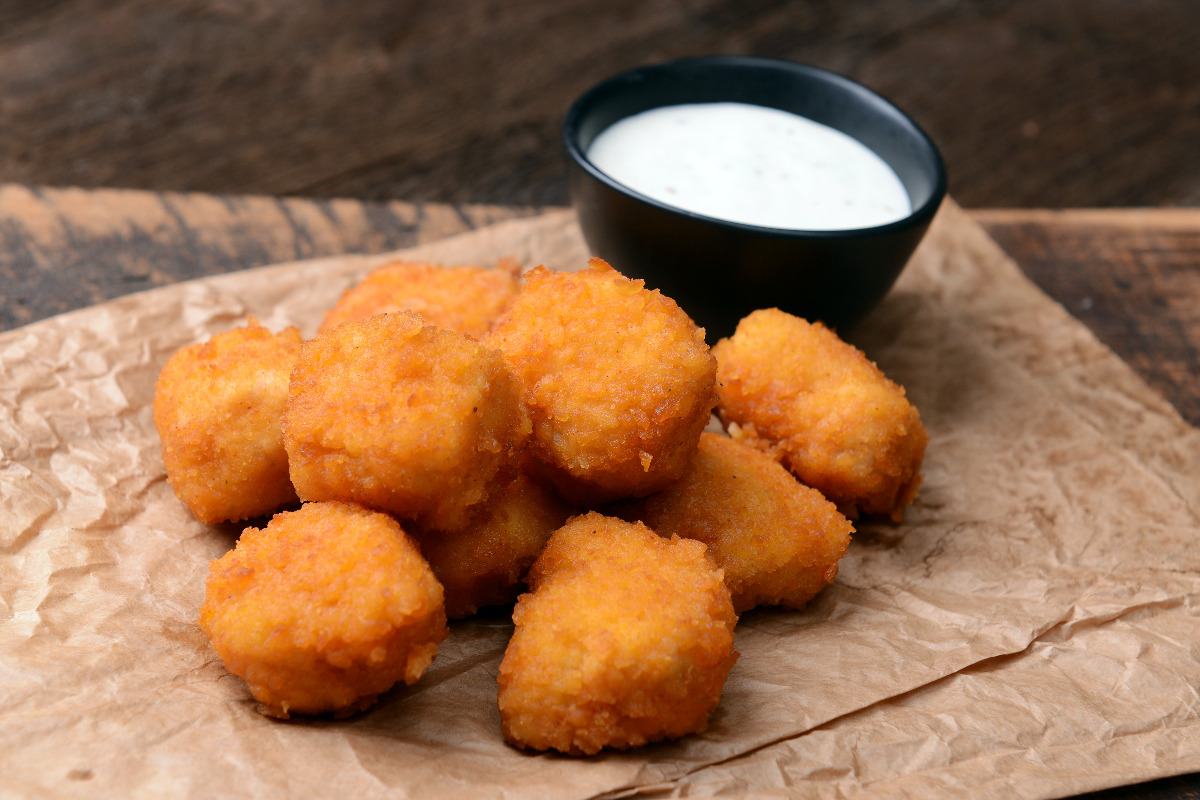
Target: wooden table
(1057, 104)
(1132, 276)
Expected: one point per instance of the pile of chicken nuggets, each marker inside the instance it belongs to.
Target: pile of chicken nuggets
(459, 438)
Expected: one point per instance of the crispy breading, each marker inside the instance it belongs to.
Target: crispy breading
(218, 408)
(832, 417)
(618, 381)
(626, 638)
(777, 541)
(403, 417)
(323, 610)
(484, 564)
(466, 299)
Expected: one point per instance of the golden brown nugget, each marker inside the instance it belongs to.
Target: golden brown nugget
(403, 417)
(830, 414)
(464, 299)
(218, 407)
(484, 564)
(618, 381)
(777, 541)
(626, 638)
(323, 610)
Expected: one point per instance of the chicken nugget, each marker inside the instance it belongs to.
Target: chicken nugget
(626, 638)
(833, 418)
(218, 407)
(464, 299)
(323, 610)
(777, 541)
(403, 417)
(484, 564)
(618, 381)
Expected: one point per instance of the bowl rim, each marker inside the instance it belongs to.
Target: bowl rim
(920, 215)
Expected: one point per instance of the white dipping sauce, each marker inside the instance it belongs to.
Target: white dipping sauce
(751, 164)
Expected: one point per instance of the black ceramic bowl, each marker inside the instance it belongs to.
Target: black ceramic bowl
(719, 271)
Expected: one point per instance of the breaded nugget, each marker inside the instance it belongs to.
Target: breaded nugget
(218, 408)
(777, 541)
(617, 379)
(626, 638)
(463, 299)
(484, 564)
(829, 413)
(403, 417)
(323, 610)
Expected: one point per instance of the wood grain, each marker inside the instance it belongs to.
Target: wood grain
(1132, 277)
(1064, 104)
(62, 249)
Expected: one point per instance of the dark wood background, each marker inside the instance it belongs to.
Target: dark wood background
(1036, 103)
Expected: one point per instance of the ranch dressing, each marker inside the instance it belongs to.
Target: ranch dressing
(751, 164)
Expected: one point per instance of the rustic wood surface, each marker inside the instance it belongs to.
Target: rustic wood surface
(1132, 276)
(1072, 103)
(62, 249)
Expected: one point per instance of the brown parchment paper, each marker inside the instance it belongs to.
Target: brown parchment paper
(1030, 630)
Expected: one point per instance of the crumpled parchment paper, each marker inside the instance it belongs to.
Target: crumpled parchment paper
(1030, 629)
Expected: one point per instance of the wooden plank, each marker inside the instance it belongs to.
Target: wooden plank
(1066, 103)
(1133, 277)
(62, 249)
(1119, 218)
